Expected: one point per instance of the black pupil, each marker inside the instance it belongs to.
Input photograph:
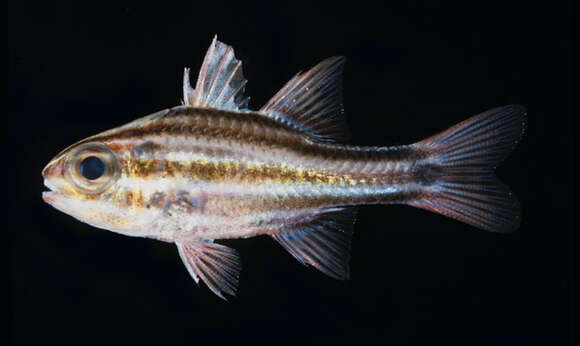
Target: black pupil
(92, 167)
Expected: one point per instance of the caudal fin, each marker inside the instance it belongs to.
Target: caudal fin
(458, 175)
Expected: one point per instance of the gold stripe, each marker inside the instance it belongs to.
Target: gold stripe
(212, 171)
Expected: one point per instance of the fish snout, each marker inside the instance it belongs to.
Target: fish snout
(53, 175)
(53, 169)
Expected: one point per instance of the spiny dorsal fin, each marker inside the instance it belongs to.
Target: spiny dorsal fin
(312, 102)
(217, 265)
(322, 241)
(220, 83)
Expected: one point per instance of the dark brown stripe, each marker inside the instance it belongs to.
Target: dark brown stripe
(259, 130)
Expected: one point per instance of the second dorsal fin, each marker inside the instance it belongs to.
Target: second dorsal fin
(220, 83)
(312, 102)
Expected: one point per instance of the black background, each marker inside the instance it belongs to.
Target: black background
(413, 69)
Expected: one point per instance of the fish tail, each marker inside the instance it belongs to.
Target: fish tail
(457, 179)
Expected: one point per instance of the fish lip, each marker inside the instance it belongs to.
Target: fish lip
(50, 195)
(48, 184)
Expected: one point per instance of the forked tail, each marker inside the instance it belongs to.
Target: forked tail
(458, 176)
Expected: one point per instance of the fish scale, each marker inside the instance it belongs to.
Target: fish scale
(213, 169)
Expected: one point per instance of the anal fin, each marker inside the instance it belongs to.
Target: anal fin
(217, 265)
(322, 241)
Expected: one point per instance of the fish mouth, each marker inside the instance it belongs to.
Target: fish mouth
(50, 195)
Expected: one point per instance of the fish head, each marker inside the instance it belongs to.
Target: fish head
(83, 183)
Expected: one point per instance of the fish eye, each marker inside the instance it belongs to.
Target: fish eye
(92, 167)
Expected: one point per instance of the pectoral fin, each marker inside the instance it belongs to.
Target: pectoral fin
(217, 265)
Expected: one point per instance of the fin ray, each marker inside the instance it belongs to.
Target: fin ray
(312, 102)
(217, 265)
(465, 187)
(322, 241)
(220, 83)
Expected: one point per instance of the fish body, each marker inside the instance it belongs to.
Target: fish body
(213, 169)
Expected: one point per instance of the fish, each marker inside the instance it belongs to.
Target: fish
(212, 169)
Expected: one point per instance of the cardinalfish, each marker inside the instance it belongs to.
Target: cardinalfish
(214, 169)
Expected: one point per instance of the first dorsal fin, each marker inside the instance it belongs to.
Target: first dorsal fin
(220, 83)
(312, 102)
